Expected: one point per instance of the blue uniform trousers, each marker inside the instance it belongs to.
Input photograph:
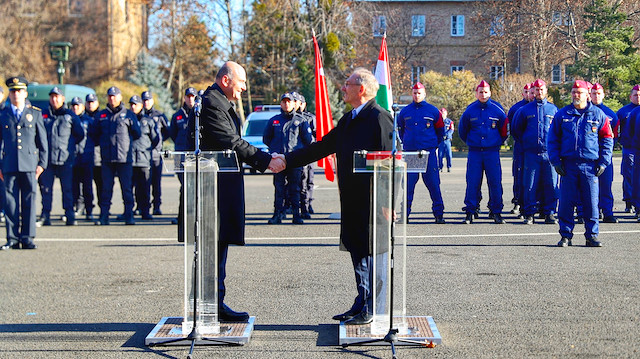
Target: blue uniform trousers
(479, 162)
(431, 178)
(539, 176)
(156, 183)
(444, 151)
(2, 195)
(517, 168)
(65, 174)
(606, 194)
(83, 186)
(20, 202)
(142, 184)
(124, 172)
(626, 169)
(97, 179)
(223, 251)
(579, 185)
(635, 200)
(287, 185)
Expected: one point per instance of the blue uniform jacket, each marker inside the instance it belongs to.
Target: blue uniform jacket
(624, 132)
(613, 119)
(115, 130)
(532, 123)
(162, 124)
(85, 149)
(32, 150)
(634, 134)
(574, 136)
(483, 126)
(64, 131)
(420, 126)
(179, 129)
(512, 115)
(448, 129)
(286, 132)
(148, 140)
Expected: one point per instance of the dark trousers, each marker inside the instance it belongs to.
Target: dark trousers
(626, 169)
(605, 181)
(83, 187)
(97, 179)
(124, 173)
(363, 273)
(65, 174)
(444, 151)
(156, 179)
(517, 168)
(223, 250)
(142, 184)
(287, 185)
(20, 201)
(579, 185)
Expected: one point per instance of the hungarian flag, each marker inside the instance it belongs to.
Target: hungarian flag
(384, 96)
(324, 121)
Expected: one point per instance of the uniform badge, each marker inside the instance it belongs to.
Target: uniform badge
(144, 122)
(428, 124)
(29, 117)
(296, 122)
(493, 124)
(594, 129)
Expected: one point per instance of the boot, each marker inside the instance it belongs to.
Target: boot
(468, 219)
(516, 209)
(297, 219)
(497, 219)
(276, 219)
(550, 219)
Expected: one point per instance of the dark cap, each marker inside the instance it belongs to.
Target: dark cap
(146, 96)
(112, 91)
(17, 83)
(56, 91)
(76, 101)
(91, 98)
(288, 96)
(135, 99)
(190, 92)
(301, 98)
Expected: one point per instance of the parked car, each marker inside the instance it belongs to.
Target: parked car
(253, 129)
(38, 94)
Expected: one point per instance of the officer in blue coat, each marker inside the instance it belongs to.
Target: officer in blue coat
(444, 149)
(624, 138)
(25, 156)
(284, 133)
(531, 126)
(2, 189)
(92, 107)
(580, 144)
(484, 127)
(115, 129)
(156, 164)
(421, 127)
(605, 180)
(83, 166)
(634, 118)
(64, 131)
(518, 157)
(142, 156)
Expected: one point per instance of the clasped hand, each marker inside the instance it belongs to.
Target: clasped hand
(278, 163)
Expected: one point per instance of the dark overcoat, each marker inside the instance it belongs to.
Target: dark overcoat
(220, 128)
(370, 130)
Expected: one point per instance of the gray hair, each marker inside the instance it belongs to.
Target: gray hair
(366, 78)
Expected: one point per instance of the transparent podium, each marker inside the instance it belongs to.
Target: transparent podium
(200, 198)
(389, 252)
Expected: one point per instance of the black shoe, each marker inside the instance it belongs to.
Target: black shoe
(174, 221)
(440, 220)
(72, 222)
(346, 315)
(580, 220)
(297, 220)
(516, 209)
(610, 219)
(497, 219)
(440, 169)
(157, 212)
(476, 215)
(147, 217)
(550, 219)
(45, 219)
(226, 314)
(468, 219)
(564, 242)
(490, 216)
(448, 169)
(276, 219)
(305, 215)
(360, 319)
(593, 243)
(528, 220)
(89, 217)
(29, 245)
(629, 208)
(311, 210)
(129, 221)
(103, 221)
(10, 245)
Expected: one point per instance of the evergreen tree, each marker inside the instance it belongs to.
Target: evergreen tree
(149, 75)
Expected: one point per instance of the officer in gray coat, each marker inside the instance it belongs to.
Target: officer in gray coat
(142, 157)
(25, 155)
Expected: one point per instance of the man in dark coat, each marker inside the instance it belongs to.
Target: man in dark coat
(367, 127)
(220, 128)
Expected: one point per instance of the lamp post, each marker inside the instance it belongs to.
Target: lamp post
(59, 51)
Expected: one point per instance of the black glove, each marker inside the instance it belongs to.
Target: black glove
(600, 170)
(560, 170)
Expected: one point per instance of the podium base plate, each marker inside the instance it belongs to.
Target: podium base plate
(171, 328)
(421, 329)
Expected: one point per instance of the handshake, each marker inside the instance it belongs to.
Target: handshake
(278, 163)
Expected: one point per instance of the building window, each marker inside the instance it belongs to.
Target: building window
(560, 19)
(76, 7)
(457, 25)
(556, 74)
(417, 25)
(568, 69)
(379, 25)
(456, 68)
(496, 72)
(416, 71)
(496, 27)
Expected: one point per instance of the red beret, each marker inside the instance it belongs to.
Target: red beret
(418, 86)
(597, 86)
(483, 83)
(538, 83)
(580, 84)
(589, 85)
(527, 86)
(636, 88)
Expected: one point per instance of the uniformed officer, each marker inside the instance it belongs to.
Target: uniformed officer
(25, 155)
(83, 166)
(605, 180)
(116, 128)
(64, 131)
(421, 127)
(518, 157)
(2, 188)
(580, 144)
(286, 132)
(531, 126)
(306, 189)
(142, 157)
(156, 164)
(92, 107)
(444, 149)
(628, 157)
(179, 133)
(483, 127)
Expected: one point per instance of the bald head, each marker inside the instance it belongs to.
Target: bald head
(232, 79)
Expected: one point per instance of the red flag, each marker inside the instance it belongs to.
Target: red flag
(324, 121)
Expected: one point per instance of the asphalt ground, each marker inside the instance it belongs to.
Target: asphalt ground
(494, 291)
